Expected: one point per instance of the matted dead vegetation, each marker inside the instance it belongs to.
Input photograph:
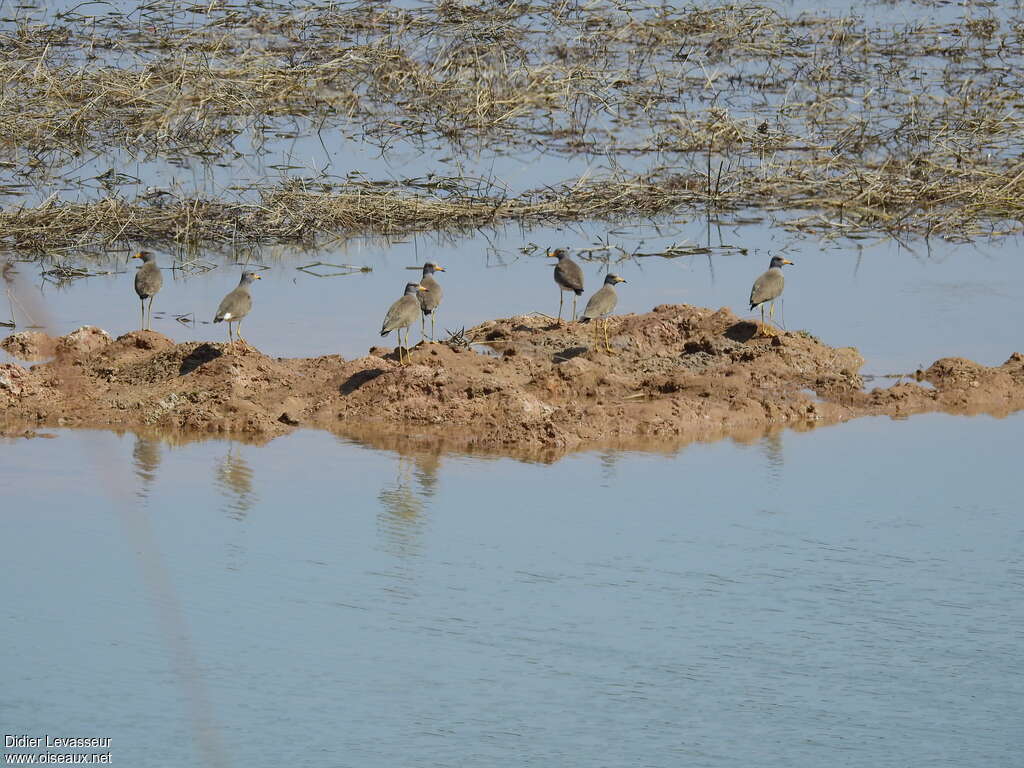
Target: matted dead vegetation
(843, 126)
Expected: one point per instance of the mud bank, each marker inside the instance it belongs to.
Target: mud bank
(677, 373)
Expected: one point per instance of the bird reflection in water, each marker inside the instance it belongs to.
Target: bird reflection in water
(233, 477)
(609, 467)
(402, 501)
(146, 457)
(775, 457)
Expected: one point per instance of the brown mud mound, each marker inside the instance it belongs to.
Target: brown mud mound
(677, 372)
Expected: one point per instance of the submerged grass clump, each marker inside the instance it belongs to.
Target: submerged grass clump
(829, 123)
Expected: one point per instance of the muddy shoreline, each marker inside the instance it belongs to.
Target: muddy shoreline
(678, 374)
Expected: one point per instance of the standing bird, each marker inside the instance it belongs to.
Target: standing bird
(767, 288)
(569, 277)
(601, 305)
(402, 314)
(148, 282)
(236, 304)
(430, 298)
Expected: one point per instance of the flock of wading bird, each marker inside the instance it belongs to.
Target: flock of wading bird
(422, 299)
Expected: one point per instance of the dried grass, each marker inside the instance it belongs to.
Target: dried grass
(881, 129)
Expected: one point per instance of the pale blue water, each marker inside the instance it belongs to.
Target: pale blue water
(901, 309)
(847, 596)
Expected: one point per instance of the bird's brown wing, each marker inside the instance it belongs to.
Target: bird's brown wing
(430, 299)
(148, 280)
(569, 275)
(238, 303)
(601, 303)
(767, 287)
(401, 314)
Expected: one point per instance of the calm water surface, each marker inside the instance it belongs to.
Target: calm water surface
(901, 308)
(847, 596)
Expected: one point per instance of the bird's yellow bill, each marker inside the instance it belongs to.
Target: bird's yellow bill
(257, 277)
(439, 268)
(137, 255)
(420, 288)
(786, 261)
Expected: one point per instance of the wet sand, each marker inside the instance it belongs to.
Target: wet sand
(677, 373)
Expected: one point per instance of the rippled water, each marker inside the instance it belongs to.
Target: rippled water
(844, 596)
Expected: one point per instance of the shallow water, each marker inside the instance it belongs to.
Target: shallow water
(902, 309)
(327, 146)
(845, 595)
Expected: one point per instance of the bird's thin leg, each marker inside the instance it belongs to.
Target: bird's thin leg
(561, 298)
(231, 339)
(10, 305)
(423, 327)
(771, 317)
(149, 324)
(573, 308)
(142, 303)
(432, 337)
(607, 345)
(238, 331)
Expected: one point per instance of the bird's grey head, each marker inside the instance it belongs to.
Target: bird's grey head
(558, 253)
(248, 277)
(777, 262)
(146, 256)
(413, 288)
(612, 279)
(430, 268)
